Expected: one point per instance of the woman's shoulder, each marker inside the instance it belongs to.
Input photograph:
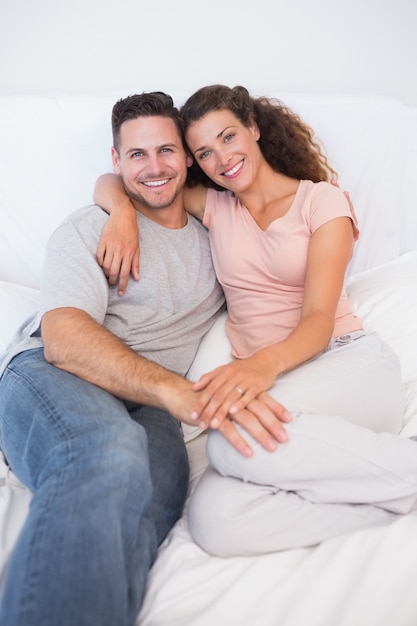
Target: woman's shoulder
(323, 186)
(218, 199)
(329, 199)
(321, 194)
(198, 199)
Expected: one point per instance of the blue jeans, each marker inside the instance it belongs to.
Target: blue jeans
(109, 480)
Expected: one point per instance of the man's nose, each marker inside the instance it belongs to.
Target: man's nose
(155, 164)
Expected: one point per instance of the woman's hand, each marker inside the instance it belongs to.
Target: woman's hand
(262, 419)
(229, 389)
(118, 251)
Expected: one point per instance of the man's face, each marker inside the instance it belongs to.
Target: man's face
(151, 161)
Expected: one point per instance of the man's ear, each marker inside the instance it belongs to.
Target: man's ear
(115, 160)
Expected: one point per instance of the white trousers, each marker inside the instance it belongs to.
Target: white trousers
(343, 468)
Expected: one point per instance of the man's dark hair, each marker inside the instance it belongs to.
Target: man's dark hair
(144, 105)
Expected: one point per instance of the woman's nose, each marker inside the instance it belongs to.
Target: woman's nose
(225, 157)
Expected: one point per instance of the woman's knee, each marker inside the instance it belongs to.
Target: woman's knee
(212, 516)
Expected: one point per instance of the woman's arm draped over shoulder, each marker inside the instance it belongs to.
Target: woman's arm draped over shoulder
(195, 200)
(118, 251)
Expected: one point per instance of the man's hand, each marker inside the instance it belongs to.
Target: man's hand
(266, 426)
(78, 344)
(263, 418)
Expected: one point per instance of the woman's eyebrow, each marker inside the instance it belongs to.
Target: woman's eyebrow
(217, 137)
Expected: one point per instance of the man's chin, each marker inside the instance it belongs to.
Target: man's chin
(152, 202)
(156, 206)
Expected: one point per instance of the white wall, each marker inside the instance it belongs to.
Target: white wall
(271, 46)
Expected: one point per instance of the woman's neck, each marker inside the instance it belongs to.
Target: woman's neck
(270, 197)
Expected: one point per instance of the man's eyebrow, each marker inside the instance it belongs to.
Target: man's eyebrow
(164, 145)
(168, 145)
(132, 150)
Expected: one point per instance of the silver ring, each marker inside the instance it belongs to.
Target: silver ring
(240, 390)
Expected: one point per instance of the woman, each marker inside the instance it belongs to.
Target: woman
(281, 239)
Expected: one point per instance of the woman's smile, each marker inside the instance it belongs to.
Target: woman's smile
(235, 170)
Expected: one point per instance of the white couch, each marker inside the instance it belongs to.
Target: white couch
(52, 150)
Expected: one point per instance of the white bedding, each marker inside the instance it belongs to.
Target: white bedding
(362, 579)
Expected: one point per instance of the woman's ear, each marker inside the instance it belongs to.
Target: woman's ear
(254, 126)
(190, 160)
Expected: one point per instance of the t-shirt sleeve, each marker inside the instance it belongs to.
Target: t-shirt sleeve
(216, 201)
(210, 208)
(327, 203)
(71, 276)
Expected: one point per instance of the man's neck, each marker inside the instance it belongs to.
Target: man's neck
(174, 216)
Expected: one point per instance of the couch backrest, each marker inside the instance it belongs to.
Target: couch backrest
(53, 149)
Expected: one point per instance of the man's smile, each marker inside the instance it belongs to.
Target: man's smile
(155, 183)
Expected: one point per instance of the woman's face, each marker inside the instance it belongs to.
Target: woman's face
(225, 149)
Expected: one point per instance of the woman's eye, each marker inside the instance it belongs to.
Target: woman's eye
(205, 154)
(228, 137)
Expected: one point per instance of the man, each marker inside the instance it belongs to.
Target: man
(92, 392)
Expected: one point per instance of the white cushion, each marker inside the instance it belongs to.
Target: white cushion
(385, 298)
(214, 350)
(17, 303)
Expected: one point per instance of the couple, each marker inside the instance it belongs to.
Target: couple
(92, 389)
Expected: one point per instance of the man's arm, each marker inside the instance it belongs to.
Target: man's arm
(118, 251)
(76, 343)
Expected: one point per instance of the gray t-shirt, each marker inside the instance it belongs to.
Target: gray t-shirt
(162, 317)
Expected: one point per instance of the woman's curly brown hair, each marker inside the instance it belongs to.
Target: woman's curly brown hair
(286, 142)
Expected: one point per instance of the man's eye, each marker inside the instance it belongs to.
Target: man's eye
(166, 150)
(137, 154)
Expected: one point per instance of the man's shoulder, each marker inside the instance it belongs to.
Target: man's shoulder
(83, 218)
(82, 225)
(195, 223)
(88, 213)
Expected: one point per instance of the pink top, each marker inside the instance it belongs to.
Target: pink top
(262, 272)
